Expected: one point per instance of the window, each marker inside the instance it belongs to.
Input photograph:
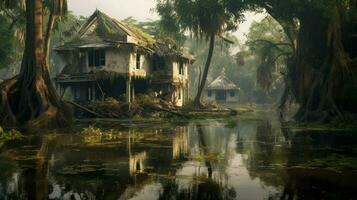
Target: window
(179, 94)
(209, 93)
(232, 93)
(96, 58)
(138, 60)
(181, 68)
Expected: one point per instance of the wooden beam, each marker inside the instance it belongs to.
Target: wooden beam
(85, 109)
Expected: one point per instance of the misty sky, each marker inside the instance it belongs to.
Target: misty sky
(140, 9)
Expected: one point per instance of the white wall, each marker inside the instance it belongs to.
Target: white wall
(116, 60)
(177, 77)
(123, 61)
(232, 99)
(213, 96)
(145, 65)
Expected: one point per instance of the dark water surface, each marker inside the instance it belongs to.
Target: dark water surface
(208, 159)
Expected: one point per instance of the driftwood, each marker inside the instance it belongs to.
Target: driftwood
(170, 111)
(85, 109)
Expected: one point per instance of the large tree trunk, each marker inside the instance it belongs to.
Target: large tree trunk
(321, 67)
(320, 72)
(30, 99)
(197, 102)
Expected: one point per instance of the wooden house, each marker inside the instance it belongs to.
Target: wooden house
(222, 90)
(108, 58)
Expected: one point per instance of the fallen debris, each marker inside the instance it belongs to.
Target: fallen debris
(148, 106)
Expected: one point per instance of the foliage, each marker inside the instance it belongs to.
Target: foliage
(201, 18)
(7, 42)
(269, 46)
(8, 135)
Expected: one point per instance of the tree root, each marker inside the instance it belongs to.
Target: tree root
(31, 109)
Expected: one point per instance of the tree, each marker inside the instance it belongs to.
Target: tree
(202, 18)
(223, 58)
(161, 31)
(320, 71)
(29, 99)
(56, 9)
(270, 46)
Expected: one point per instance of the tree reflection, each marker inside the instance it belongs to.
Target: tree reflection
(204, 187)
(205, 160)
(204, 148)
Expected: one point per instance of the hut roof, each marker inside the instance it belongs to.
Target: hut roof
(222, 83)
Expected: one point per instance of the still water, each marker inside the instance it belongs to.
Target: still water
(205, 159)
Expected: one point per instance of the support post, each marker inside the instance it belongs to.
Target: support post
(93, 92)
(128, 91)
(187, 92)
(132, 92)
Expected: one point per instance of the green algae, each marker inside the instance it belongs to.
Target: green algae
(82, 169)
(318, 127)
(333, 162)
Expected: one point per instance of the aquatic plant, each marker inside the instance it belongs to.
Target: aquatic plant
(8, 135)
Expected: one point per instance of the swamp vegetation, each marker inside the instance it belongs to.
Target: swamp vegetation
(314, 49)
(301, 58)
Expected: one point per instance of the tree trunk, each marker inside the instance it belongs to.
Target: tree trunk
(321, 67)
(51, 22)
(320, 72)
(203, 146)
(197, 102)
(31, 101)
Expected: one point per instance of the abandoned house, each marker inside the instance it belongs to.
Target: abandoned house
(222, 90)
(108, 58)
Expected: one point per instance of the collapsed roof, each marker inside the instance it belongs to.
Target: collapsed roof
(102, 31)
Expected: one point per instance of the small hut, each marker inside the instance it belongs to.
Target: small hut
(222, 90)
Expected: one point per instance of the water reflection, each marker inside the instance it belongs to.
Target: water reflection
(254, 159)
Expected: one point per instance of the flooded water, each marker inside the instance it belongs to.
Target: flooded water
(206, 159)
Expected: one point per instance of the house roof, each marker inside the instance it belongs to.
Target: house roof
(164, 49)
(222, 83)
(104, 31)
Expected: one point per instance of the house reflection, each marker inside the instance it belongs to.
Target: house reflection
(200, 160)
(136, 163)
(180, 143)
(136, 160)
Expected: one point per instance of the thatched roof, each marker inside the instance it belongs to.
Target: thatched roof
(222, 83)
